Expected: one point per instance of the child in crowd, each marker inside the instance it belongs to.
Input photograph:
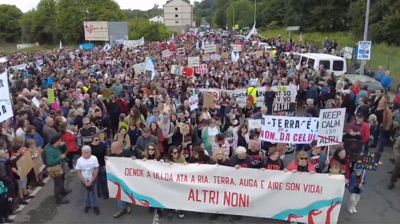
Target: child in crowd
(357, 180)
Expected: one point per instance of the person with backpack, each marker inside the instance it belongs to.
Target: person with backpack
(53, 156)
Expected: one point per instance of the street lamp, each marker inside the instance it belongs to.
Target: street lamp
(366, 26)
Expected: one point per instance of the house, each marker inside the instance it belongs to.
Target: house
(157, 19)
(178, 15)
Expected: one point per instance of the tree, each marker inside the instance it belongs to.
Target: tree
(72, 13)
(26, 27)
(244, 13)
(44, 22)
(140, 27)
(9, 23)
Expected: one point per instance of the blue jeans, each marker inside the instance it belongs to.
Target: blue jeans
(379, 135)
(90, 196)
(102, 187)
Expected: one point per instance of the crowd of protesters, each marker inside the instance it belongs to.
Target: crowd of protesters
(102, 107)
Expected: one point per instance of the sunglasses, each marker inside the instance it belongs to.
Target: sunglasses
(303, 158)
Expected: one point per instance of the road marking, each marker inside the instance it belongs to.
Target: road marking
(156, 219)
(380, 162)
(33, 193)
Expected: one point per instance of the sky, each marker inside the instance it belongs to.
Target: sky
(26, 5)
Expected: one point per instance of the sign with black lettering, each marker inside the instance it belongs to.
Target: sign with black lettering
(283, 96)
(284, 109)
(330, 131)
(295, 130)
(6, 110)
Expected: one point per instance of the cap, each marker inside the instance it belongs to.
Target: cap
(359, 115)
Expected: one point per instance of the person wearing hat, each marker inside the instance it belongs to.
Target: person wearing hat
(363, 128)
(53, 156)
(356, 189)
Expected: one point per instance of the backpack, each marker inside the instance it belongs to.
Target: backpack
(44, 156)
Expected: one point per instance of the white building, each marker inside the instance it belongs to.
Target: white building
(178, 15)
(157, 19)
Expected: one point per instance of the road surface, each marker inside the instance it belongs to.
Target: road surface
(377, 205)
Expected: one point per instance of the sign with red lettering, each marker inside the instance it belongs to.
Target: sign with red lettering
(305, 198)
(295, 130)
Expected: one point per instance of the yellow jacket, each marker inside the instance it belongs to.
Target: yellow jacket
(252, 91)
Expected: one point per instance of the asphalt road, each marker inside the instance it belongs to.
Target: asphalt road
(377, 205)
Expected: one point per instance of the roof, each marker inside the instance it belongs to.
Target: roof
(323, 56)
(187, 1)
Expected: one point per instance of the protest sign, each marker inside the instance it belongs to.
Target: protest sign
(368, 161)
(176, 70)
(289, 92)
(225, 55)
(201, 69)
(236, 48)
(180, 51)
(284, 109)
(194, 102)
(6, 110)
(331, 122)
(215, 57)
(210, 48)
(228, 134)
(38, 165)
(259, 54)
(25, 165)
(139, 68)
(166, 54)
(296, 130)
(193, 61)
(208, 101)
(134, 43)
(254, 123)
(226, 190)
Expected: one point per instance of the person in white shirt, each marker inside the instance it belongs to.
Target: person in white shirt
(87, 168)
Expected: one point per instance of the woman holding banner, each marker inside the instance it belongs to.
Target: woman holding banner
(175, 156)
(301, 164)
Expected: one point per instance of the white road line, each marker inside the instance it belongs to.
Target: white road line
(33, 193)
(380, 162)
(156, 219)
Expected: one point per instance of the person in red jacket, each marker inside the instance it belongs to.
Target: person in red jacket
(340, 158)
(356, 88)
(363, 128)
(69, 138)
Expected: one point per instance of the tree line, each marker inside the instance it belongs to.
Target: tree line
(55, 20)
(310, 15)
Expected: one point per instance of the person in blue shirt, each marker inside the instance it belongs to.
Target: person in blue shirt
(356, 189)
(379, 74)
(386, 80)
(32, 134)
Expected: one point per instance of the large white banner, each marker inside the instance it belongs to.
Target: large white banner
(134, 43)
(272, 194)
(96, 30)
(294, 130)
(284, 94)
(331, 127)
(6, 110)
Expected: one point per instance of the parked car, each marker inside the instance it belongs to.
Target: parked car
(371, 83)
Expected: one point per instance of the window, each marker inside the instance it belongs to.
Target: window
(176, 15)
(176, 9)
(327, 64)
(176, 22)
(337, 65)
(311, 63)
(303, 61)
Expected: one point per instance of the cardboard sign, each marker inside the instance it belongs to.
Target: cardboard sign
(183, 128)
(208, 100)
(25, 165)
(166, 54)
(225, 55)
(38, 165)
(193, 61)
(259, 54)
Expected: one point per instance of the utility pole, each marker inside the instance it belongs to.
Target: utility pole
(366, 26)
(255, 11)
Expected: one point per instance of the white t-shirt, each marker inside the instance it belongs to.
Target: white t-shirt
(87, 167)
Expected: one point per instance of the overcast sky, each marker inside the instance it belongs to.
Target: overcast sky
(26, 5)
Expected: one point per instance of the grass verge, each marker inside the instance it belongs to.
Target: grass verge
(381, 54)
